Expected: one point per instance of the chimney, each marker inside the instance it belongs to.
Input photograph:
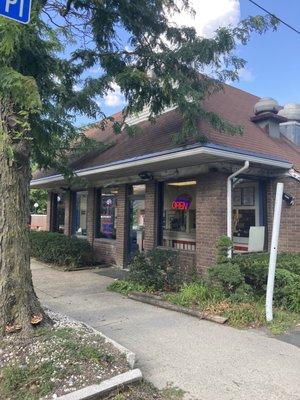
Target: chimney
(291, 128)
(267, 116)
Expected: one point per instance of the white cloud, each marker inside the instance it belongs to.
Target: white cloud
(246, 75)
(114, 97)
(208, 15)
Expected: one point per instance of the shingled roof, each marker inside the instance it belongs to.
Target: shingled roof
(233, 104)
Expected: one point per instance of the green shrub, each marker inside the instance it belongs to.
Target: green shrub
(254, 268)
(127, 286)
(287, 290)
(226, 277)
(243, 294)
(290, 262)
(224, 244)
(242, 315)
(195, 294)
(55, 248)
(156, 268)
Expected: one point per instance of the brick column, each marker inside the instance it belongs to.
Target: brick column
(68, 213)
(150, 239)
(122, 226)
(211, 213)
(90, 217)
(289, 238)
(49, 211)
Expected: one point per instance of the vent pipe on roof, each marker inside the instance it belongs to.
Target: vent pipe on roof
(267, 116)
(291, 128)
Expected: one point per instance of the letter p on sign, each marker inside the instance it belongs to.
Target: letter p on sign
(18, 10)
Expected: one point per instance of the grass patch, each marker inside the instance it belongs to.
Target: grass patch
(127, 286)
(283, 321)
(56, 361)
(29, 382)
(146, 391)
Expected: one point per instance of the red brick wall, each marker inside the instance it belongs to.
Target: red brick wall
(122, 225)
(91, 214)
(39, 222)
(68, 212)
(289, 239)
(211, 214)
(187, 262)
(150, 216)
(49, 211)
(105, 251)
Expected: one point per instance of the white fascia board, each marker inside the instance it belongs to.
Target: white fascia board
(294, 174)
(175, 155)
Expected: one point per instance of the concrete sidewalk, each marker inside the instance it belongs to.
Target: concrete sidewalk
(209, 361)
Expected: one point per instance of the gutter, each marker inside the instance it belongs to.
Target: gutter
(294, 174)
(229, 201)
(174, 154)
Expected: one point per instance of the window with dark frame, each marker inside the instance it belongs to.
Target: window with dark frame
(177, 215)
(244, 210)
(106, 213)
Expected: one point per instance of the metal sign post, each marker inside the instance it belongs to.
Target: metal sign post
(17, 10)
(273, 253)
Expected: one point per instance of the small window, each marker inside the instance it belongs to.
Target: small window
(245, 211)
(106, 213)
(80, 211)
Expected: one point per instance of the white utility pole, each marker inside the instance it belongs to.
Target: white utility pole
(273, 253)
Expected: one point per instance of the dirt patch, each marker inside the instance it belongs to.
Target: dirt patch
(56, 361)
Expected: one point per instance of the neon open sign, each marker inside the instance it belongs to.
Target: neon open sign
(181, 203)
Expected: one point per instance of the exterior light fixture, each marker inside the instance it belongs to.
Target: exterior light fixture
(288, 198)
(146, 176)
(186, 183)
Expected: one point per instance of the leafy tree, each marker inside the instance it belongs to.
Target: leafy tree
(38, 196)
(43, 86)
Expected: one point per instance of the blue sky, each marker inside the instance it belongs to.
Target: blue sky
(273, 59)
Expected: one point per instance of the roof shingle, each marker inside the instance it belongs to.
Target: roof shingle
(232, 104)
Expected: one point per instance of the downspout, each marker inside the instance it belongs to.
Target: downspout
(229, 201)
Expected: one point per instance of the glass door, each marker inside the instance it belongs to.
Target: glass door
(136, 220)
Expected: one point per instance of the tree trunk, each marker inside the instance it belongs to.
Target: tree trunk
(20, 308)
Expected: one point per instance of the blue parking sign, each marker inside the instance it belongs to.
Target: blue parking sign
(18, 10)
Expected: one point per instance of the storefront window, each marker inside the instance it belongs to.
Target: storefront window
(106, 213)
(80, 213)
(179, 215)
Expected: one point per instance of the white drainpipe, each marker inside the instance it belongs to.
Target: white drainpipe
(229, 201)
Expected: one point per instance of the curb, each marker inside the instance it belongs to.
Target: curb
(65, 269)
(156, 301)
(130, 356)
(105, 387)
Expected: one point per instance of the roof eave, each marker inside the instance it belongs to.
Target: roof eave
(223, 152)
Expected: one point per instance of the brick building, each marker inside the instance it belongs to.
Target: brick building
(145, 192)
